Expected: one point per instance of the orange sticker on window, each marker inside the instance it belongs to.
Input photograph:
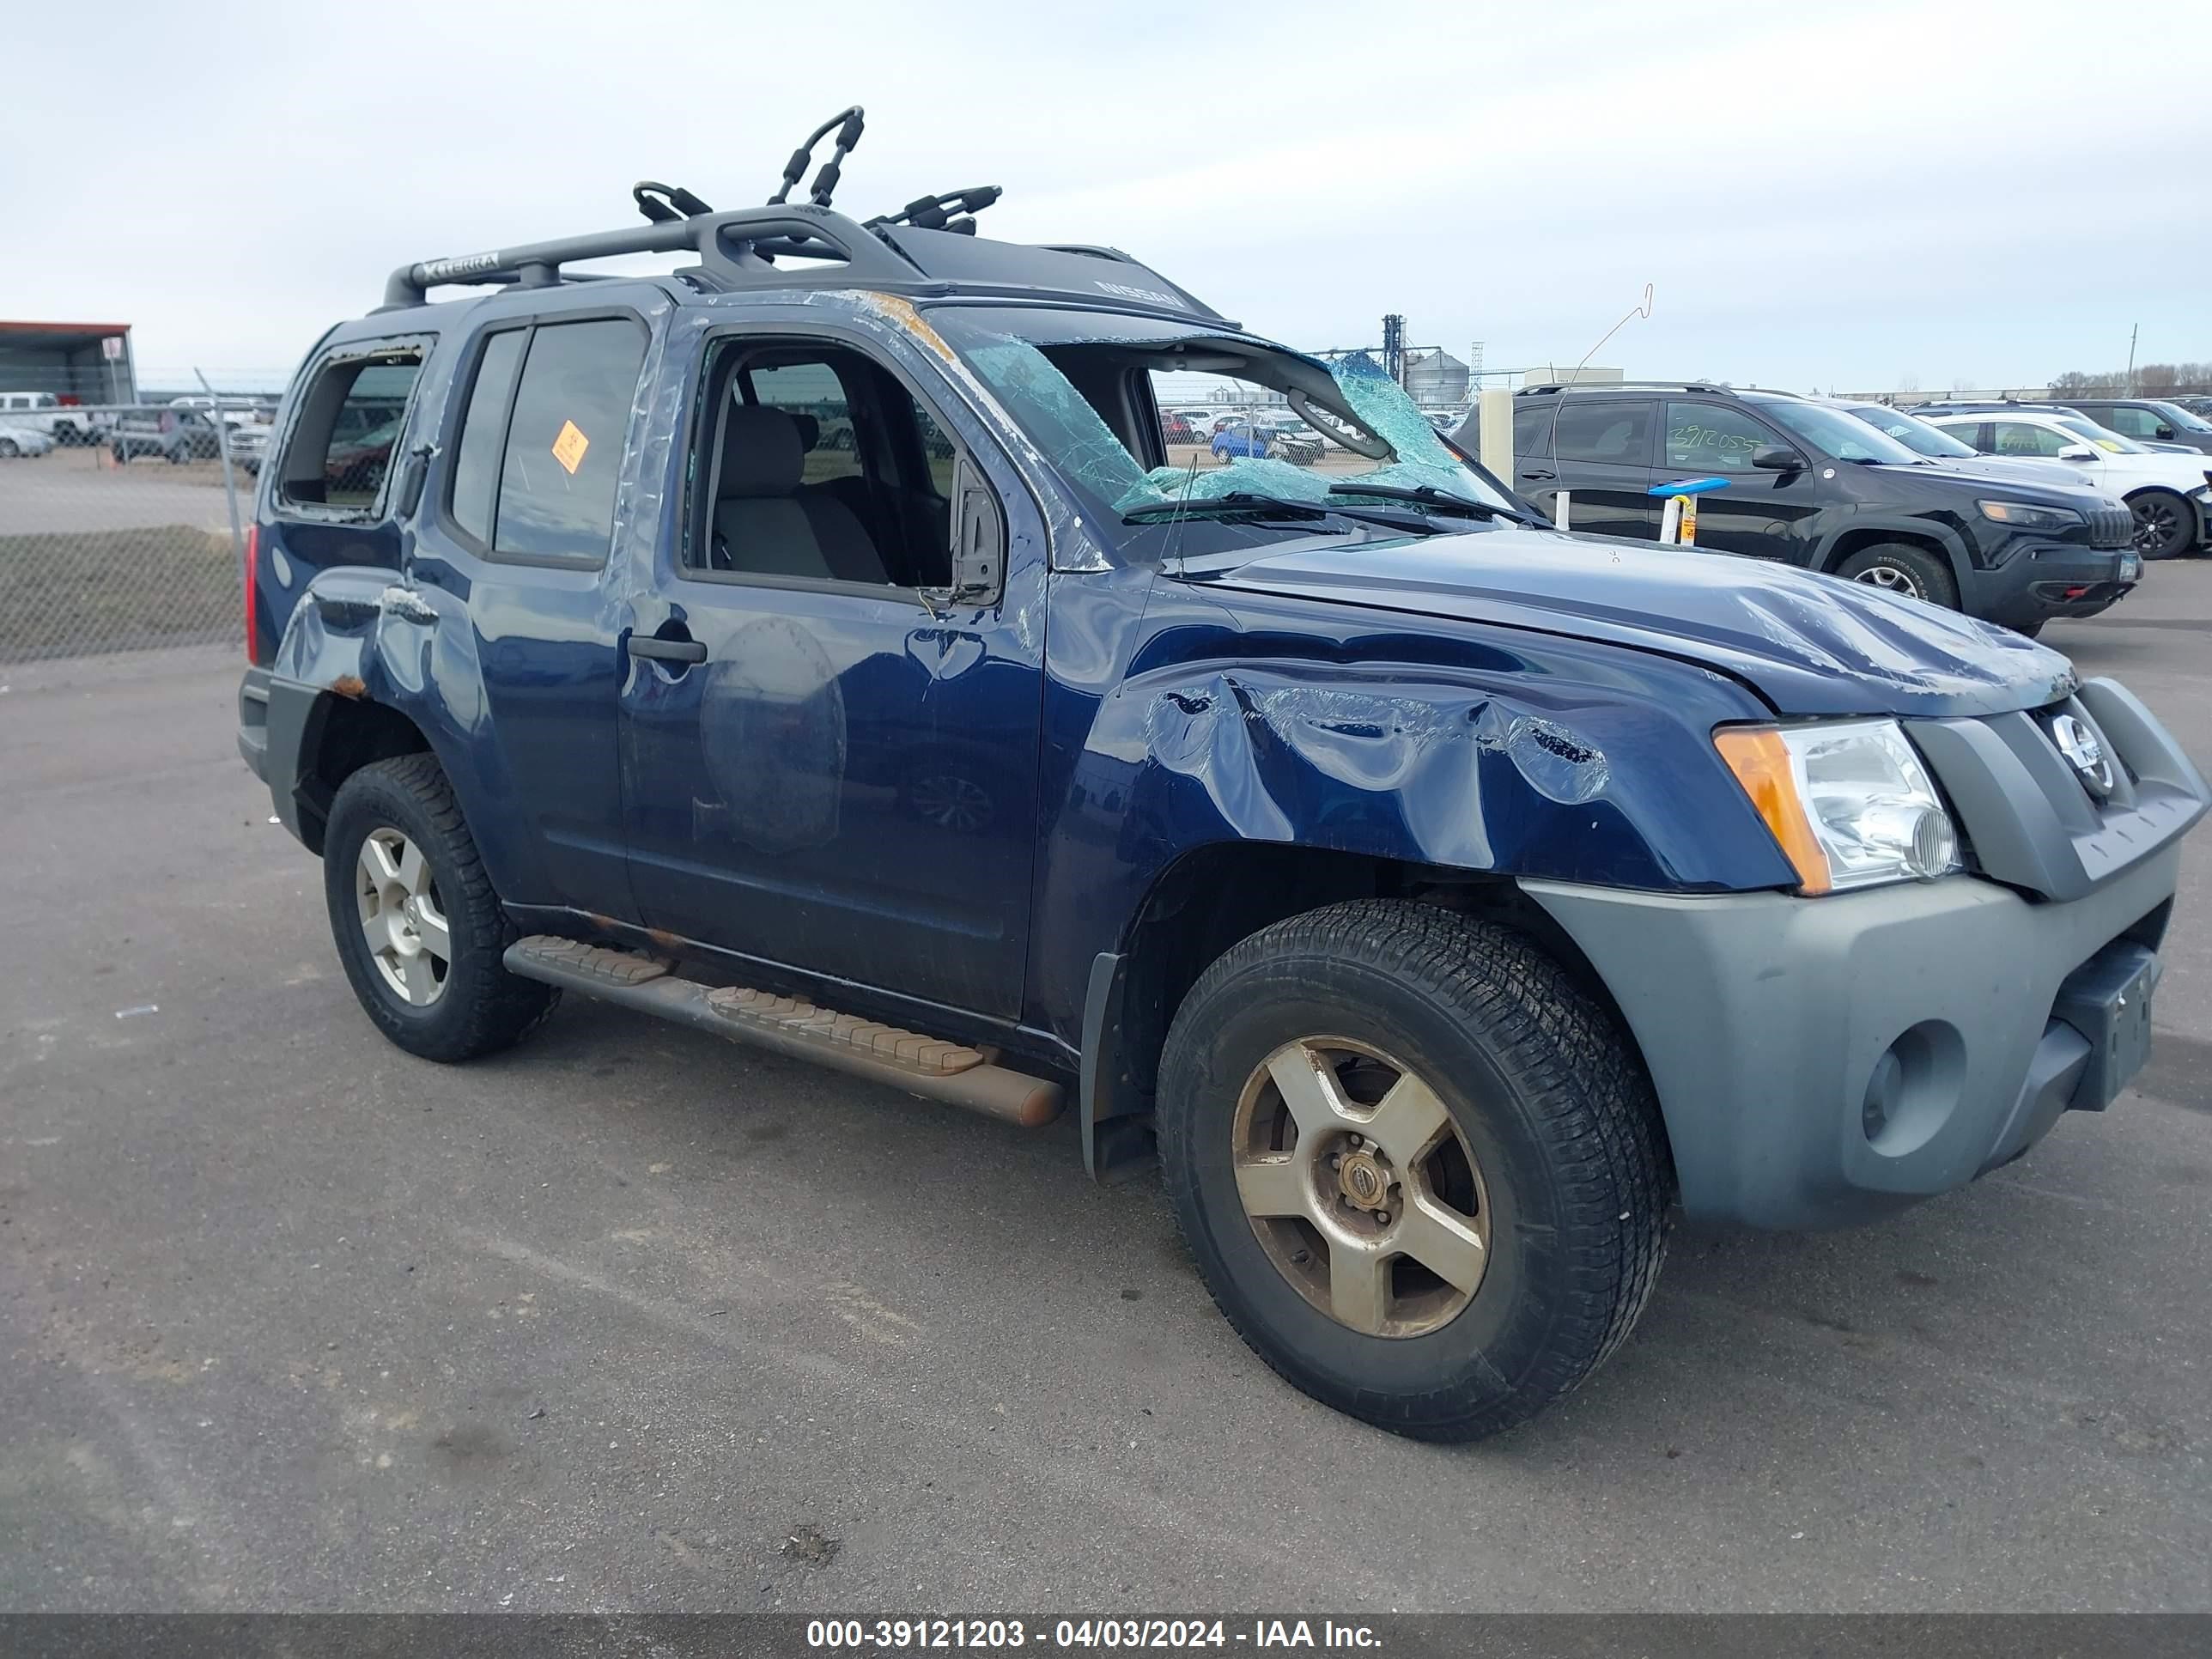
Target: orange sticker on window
(568, 447)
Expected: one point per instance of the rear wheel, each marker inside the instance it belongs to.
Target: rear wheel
(1902, 569)
(2165, 524)
(417, 926)
(1421, 1171)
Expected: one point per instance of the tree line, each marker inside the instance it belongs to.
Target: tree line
(2151, 380)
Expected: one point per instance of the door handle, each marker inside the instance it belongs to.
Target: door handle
(1545, 475)
(683, 650)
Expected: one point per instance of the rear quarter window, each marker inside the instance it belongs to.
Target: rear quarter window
(352, 417)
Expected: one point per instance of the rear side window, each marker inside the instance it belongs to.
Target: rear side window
(2128, 421)
(1532, 430)
(477, 457)
(540, 448)
(349, 426)
(1608, 433)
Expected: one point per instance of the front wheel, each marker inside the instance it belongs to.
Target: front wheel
(416, 923)
(1422, 1172)
(2165, 525)
(1899, 567)
(8, 452)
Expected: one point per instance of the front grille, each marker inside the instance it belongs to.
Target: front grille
(2111, 526)
(2036, 818)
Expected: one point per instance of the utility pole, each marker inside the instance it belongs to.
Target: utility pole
(2132, 329)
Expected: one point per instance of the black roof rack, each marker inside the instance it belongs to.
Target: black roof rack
(740, 250)
(927, 246)
(1992, 405)
(1620, 385)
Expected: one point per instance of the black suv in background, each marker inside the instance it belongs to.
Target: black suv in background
(1812, 486)
(2149, 420)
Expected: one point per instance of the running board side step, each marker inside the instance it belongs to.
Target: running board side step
(924, 1065)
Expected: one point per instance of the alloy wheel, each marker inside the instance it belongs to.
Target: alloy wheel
(1360, 1188)
(403, 918)
(1889, 577)
(2154, 524)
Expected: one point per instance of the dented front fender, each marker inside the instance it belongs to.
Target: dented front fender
(1189, 718)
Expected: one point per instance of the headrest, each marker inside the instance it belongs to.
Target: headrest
(810, 432)
(762, 455)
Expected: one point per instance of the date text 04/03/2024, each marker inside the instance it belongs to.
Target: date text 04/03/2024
(832, 1634)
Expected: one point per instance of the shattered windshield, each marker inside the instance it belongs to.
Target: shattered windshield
(1179, 439)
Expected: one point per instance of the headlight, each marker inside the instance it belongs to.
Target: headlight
(2022, 516)
(1848, 801)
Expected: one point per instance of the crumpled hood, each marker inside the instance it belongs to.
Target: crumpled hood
(1809, 644)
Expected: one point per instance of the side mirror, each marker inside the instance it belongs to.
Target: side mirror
(979, 538)
(2165, 431)
(1777, 458)
(2078, 452)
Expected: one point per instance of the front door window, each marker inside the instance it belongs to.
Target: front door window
(1705, 437)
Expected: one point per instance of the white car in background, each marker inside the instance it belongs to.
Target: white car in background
(19, 440)
(42, 411)
(2170, 495)
(234, 411)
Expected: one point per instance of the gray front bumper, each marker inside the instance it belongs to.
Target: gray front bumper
(1762, 1018)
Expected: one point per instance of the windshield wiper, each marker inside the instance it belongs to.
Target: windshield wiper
(1275, 506)
(1430, 495)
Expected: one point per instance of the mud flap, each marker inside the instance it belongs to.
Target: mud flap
(1118, 1143)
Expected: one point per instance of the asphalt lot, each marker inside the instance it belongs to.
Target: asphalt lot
(70, 490)
(290, 1320)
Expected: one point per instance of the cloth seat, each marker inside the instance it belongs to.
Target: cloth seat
(766, 525)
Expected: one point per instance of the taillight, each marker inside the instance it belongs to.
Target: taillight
(253, 585)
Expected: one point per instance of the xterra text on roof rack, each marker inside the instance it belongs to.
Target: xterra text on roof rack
(825, 655)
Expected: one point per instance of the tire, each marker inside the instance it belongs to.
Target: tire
(2165, 525)
(8, 452)
(1543, 1099)
(476, 1007)
(1901, 568)
(121, 455)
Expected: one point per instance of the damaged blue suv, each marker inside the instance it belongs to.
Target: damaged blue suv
(816, 647)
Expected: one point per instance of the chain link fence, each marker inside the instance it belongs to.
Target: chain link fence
(119, 524)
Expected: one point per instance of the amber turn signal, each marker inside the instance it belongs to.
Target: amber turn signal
(1760, 761)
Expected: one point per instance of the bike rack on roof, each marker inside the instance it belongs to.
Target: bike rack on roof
(737, 250)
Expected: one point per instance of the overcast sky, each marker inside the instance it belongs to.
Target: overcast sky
(1857, 196)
